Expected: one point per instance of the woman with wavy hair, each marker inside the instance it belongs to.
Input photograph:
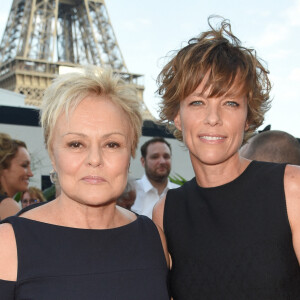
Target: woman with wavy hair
(15, 172)
(233, 231)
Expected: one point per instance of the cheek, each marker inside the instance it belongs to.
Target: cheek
(66, 162)
(118, 163)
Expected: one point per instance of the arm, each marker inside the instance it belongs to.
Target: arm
(158, 219)
(164, 244)
(8, 207)
(158, 213)
(292, 194)
(8, 253)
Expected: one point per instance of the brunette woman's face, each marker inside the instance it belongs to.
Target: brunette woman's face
(16, 178)
(212, 128)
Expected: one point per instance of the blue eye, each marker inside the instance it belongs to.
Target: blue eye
(232, 104)
(197, 103)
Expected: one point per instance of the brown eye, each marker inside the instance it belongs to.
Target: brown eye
(74, 145)
(113, 145)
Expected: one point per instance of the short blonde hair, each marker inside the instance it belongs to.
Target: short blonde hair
(68, 90)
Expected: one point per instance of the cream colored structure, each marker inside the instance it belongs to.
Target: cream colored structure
(43, 35)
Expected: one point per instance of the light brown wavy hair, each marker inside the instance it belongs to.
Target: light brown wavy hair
(219, 53)
(8, 150)
(35, 193)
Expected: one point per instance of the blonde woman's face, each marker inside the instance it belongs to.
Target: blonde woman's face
(91, 151)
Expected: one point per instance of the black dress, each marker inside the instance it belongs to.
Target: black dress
(63, 263)
(232, 241)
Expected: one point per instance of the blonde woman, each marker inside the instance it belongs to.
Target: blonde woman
(89, 248)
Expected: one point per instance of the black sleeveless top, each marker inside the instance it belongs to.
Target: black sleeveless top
(62, 263)
(2, 197)
(232, 241)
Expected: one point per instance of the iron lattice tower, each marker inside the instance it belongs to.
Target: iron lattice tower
(43, 36)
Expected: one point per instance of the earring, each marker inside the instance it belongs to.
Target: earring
(53, 177)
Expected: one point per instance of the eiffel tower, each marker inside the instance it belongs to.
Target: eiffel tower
(44, 37)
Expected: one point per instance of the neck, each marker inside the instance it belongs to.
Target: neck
(159, 185)
(219, 174)
(6, 191)
(70, 213)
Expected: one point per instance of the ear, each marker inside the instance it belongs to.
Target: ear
(177, 121)
(51, 156)
(246, 126)
(143, 161)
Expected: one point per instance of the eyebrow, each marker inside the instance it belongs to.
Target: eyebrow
(105, 135)
(25, 161)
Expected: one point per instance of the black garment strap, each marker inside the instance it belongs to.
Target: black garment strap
(2, 197)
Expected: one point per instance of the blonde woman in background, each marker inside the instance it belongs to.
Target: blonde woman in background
(31, 196)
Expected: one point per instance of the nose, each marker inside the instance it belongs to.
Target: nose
(30, 174)
(95, 156)
(162, 160)
(213, 115)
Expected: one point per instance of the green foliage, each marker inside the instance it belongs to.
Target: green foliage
(18, 196)
(178, 179)
(49, 193)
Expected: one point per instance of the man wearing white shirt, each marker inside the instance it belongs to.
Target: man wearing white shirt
(156, 159)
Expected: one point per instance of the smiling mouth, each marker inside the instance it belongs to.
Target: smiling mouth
(212, 138)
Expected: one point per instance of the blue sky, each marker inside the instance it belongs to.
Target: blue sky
(148, 30)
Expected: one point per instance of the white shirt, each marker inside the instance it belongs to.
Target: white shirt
(147, 196)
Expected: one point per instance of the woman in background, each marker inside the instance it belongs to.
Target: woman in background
(88, 247)
(31, 196)
(15, 172)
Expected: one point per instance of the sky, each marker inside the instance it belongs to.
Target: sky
(148, 31)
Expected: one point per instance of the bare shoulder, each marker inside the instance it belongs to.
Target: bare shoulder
(9, 207)
(292, 183)
(8, 253)
(292, 191)
(158, 213)
(292, 195)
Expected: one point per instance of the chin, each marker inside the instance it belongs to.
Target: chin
(212, 160)
(96, 200)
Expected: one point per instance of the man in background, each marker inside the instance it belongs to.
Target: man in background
(156, 159)
(273, 146)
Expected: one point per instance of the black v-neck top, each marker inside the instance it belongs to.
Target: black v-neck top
(232, 241)
(63, 263)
